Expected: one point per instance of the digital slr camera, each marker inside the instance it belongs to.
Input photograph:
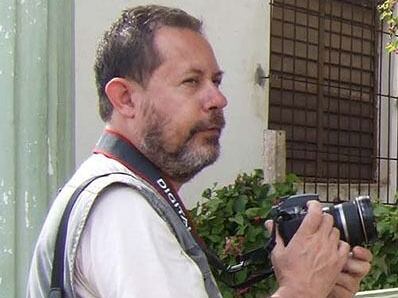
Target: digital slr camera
(354, 219)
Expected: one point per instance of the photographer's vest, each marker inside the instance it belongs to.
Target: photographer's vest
(39, 282)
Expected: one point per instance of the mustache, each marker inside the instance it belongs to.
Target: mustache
(216, 121)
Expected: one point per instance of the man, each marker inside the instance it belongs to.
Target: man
(128, 234)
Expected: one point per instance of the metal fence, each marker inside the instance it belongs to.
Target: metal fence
(334, 90)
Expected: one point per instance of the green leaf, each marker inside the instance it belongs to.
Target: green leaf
(214, 238)
(238, 218)
(253, 212)
(237, 210)
(253, 232)
(240, 203)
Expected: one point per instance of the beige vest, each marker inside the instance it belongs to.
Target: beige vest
(40, 271)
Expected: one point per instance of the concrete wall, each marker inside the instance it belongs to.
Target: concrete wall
(239, 33)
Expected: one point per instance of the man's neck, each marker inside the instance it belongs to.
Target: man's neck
(134, 142)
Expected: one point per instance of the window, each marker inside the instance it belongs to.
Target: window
(323, 87)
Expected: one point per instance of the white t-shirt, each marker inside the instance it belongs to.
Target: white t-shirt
(128, 251)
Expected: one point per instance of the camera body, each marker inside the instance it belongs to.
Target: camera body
(354, 219)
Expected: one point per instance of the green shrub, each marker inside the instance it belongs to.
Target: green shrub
(231, 222)
(384, 272)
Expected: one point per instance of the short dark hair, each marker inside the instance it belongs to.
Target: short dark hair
(127, 49)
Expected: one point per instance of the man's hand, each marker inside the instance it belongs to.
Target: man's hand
(357, 266)
(310, 265)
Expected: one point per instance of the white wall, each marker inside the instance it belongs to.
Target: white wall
(239, 33)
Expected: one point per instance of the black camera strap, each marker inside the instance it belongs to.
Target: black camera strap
(115, 146)
(57, 274)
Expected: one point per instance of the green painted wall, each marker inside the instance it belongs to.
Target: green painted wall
(36, 125)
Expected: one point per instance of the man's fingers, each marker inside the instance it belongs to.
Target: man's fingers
(326, 226)
(269, 224)
(362, 253)
(358, 264)
(346, 286)
(357, 268)
(312, 220)
(344, 249)
(335, 235)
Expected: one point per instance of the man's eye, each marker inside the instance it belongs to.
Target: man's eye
(191, 81)
(217, 82)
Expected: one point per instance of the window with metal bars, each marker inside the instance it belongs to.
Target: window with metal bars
(322, 87)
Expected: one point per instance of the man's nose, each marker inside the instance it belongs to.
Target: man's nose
(215, 99)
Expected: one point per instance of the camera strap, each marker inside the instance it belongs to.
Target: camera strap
(57, 273)
(117, 147)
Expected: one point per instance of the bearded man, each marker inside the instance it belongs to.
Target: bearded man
(128, 233)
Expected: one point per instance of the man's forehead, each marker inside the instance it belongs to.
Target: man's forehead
(169, 39)
(185, 47)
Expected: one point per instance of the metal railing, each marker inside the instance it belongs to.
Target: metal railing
(334, 90)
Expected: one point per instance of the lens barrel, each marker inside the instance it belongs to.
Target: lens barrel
(355, 221)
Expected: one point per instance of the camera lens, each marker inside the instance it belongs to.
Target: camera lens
(355, 221)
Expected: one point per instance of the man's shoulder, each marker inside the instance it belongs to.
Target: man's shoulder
(97, 165)
(122, 197)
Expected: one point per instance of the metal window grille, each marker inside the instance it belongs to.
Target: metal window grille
(327, 77)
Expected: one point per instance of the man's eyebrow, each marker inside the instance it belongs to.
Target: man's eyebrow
(219, 73)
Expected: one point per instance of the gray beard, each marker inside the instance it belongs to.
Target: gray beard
(186, 161)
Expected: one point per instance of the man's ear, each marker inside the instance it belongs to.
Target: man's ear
(121, 93)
